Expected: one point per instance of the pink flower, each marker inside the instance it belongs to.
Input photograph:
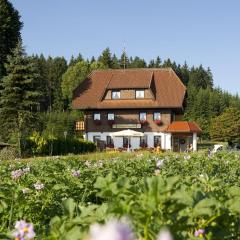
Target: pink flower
(76, 173)
(24, 230)
(199, 233)
(17, 174)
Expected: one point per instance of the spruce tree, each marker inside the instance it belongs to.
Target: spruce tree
(10, 26)
(18, 98)
(106, 58)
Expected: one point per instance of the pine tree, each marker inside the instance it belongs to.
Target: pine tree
(124, 60)
(18, 99)
(115, 62)
(106, 58)
(10, 26)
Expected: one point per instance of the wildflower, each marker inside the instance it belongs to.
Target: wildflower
(25, 190)
(17, 174)
(111, 230)
(199, 233)
(88, 163)
(38, 186)
(75, 173)
(159, 163)
(187, 157)
(26, 170)
(157, 172)
(164, 234)
(24, 231)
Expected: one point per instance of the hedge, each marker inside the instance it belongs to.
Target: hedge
(59, 146)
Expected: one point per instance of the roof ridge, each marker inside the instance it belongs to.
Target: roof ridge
(133, 69)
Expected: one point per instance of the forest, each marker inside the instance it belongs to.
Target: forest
(36, 90)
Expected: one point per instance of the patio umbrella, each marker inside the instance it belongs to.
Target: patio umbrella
(127, 133)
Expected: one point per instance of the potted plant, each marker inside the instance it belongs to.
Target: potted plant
(143, 145)
(111, 122)
(144, 122)
(158, 122)
(97, 122)
(110, 145)
(126, 145)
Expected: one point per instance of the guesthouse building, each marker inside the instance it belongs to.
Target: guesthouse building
(150, 101)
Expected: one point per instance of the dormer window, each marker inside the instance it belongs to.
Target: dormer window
(96, 116)
(116, 94)
(139, 93)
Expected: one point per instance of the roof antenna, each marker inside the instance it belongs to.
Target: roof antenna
(124, 56)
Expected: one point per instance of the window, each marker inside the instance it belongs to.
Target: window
(109, 141)
(142, 116)
(157, 141)
(156, 116)
(139, 93)
(96, 116)
(116, 94)
(125, 142)
(96, 138)
(110, 116)
(143, 141)
(79, 126)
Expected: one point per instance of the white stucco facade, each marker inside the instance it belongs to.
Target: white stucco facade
(135, 141)
(166, 140)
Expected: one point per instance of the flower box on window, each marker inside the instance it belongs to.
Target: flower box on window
(110, 145)
(111, 122)
(126, 145)
(97, 122)
(143, 145)
(144, 122)
(158, 122)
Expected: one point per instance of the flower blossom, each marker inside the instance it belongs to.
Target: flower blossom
(111, 230)
(26, 170)
(159, 163)
(164, 234)
(25, 190)
(17, 174)
(38, 186)
(199, 233)
(24, 231)
(75, 173)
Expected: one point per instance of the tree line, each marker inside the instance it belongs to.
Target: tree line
(31, 85)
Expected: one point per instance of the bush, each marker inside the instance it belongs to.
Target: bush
(8, 153)
(56, 146)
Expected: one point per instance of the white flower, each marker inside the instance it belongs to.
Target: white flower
(159, 163)
(38, 186)
(112, 230)
(164, 234)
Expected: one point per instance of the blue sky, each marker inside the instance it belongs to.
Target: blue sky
(201, 32)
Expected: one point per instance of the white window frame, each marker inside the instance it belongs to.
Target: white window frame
(96, 116)
(116, 94)
(139, 93)
(110, 116)
(154, 116)
(140, 116)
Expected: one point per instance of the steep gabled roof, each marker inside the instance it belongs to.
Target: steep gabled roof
(183, 127)
(130, 79)
(168, 89)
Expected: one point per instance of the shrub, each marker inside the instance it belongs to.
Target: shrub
(37, 145)
(8, 153)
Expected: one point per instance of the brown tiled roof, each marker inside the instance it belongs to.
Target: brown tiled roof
(183, 127)
(168, 89)
(130, 79)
